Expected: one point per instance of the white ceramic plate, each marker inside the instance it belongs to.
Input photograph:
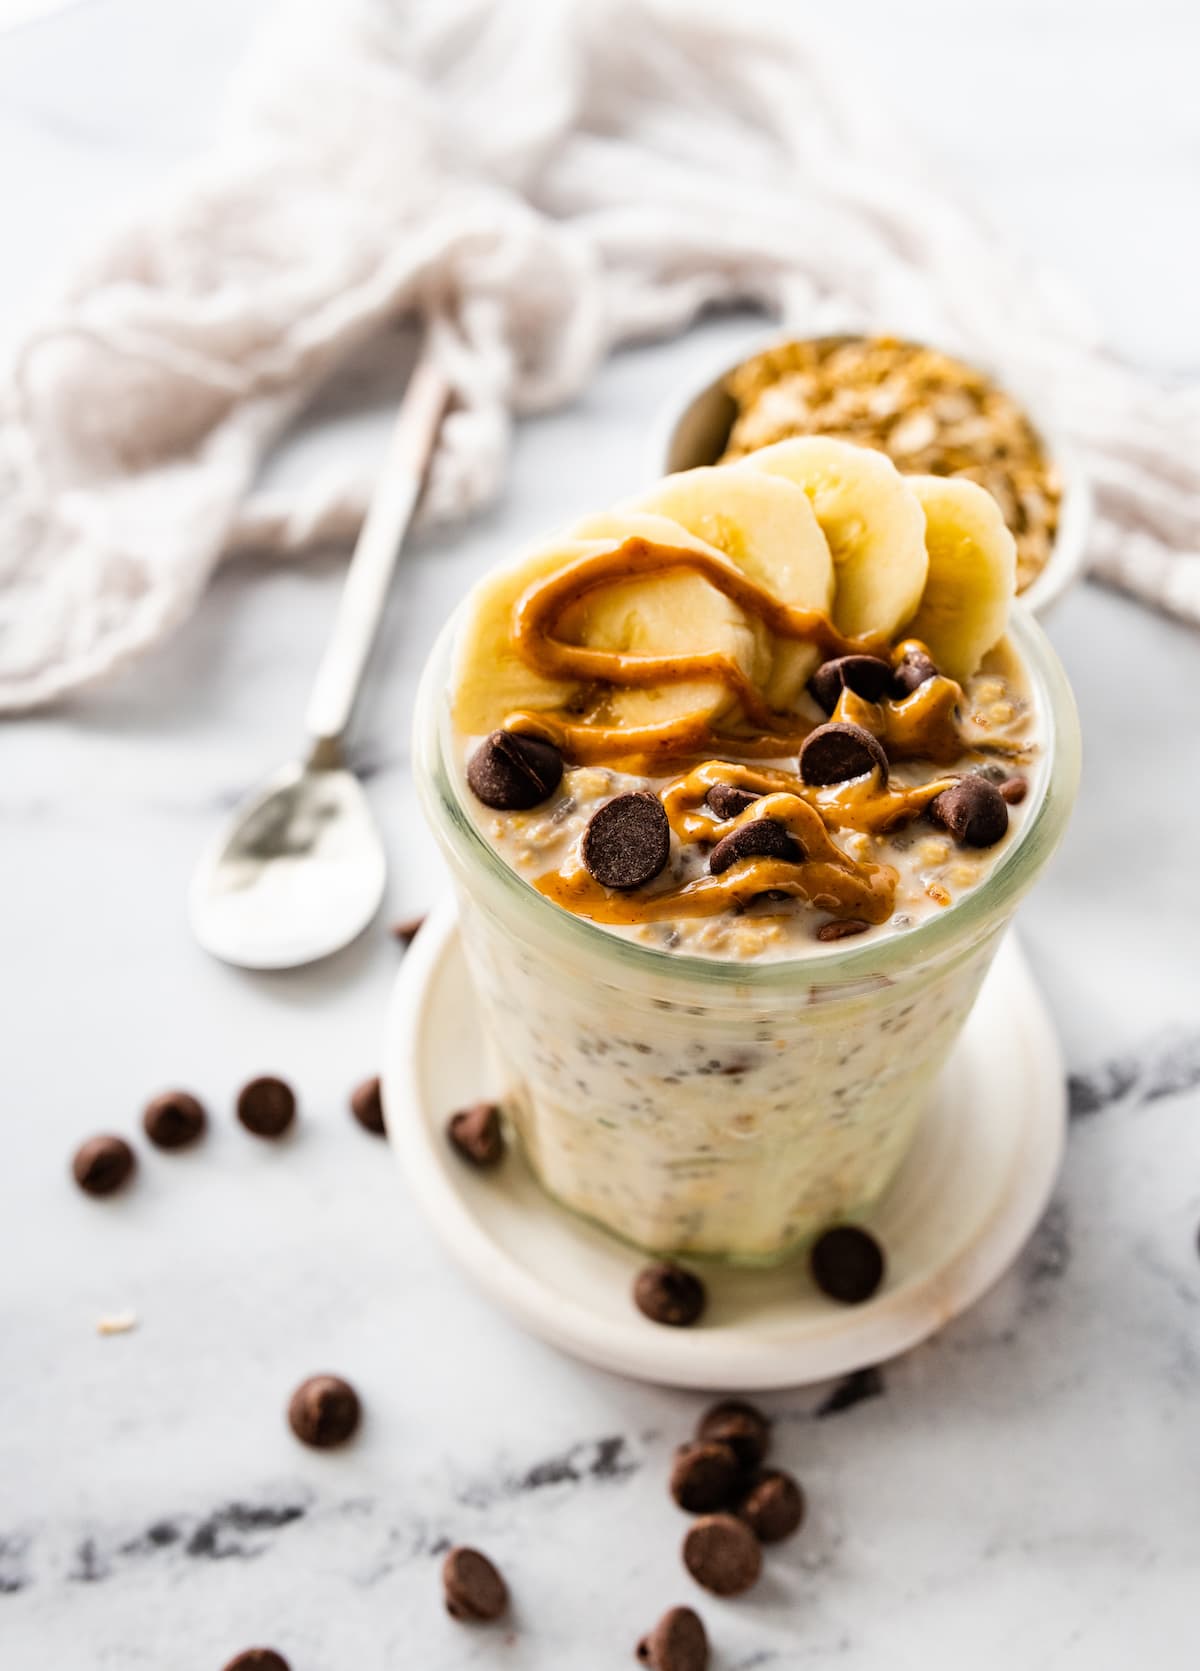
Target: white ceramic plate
(692, 428)
(966, 1200)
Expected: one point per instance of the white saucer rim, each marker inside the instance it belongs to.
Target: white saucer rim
(713, 1357)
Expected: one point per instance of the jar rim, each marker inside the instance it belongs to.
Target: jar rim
(852, 961)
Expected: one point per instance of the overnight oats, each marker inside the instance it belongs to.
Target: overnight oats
(740, 783)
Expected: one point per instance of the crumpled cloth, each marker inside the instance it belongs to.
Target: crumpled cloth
(540, 184)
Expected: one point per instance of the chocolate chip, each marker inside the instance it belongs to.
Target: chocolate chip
(835, 753)
(366, 1104)
(761, 838)
(173, 1120)
(477, 1134)
(324, 1411)
(866, 676)
(847, 1264)
(973, 810)
(628, 841)
(773, 1507)
(705, 1475)
(258, 1659)
(407, 929)
(266, 1106)
(677, 1643)
(912, 671)
(512, 772)
(743, 1428)
(102, 1164)
(475, 1591)
(1014, 790)
(666, 1293)
(842, 930)
(722, 1554)
(727, 801)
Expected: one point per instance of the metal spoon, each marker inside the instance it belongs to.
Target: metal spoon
(299, 870)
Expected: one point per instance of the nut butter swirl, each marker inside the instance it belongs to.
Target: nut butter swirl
(922, 724)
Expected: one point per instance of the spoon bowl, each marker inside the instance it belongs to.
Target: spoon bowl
(297, 872)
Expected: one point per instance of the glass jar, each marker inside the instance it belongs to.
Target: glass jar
(706, 1107)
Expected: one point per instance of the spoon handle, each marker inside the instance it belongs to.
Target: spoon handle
(365, 590)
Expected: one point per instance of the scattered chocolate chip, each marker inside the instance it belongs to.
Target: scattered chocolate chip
(475, 1591)
(668, 1294)
(973, 810)
(993, 773)
(722, 1554)
(512, 772)
(258, 1659)
(1014, 790)
(173, 1120)
(677, 1643)
(727, 801)
(103, 1164)
(477, 1134)
(912, 671)
(706, 1475)
(266, 1106)
(837, 752)
(866, 676)
(744, 1429)
(773, 1507)
(842, 929)
(761, 838)
(627, 841)
(407, 929)
(366, 1104)
(847, 1264)
(324, 1411)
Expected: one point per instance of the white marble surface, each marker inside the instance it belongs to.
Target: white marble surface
(1023, 1493)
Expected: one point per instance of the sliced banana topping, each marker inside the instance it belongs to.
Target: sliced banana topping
(872, 521)
(664, 615)
(972, 573)
(766, 524)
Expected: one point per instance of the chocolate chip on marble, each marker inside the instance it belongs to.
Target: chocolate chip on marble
(914, 669)
(727, 800)
(866, 676)
(324, 1411)
(627, 841)
(761, 838)
(103, 1164)
(512, 772)
(477, 1134)
(266, 1106)
(258, 1659)
(973, 810)
(739, 1425)
(722, 1554)
(666, 1293)
(837, 752)
(706, 1475)
(773, 1507)
(842, 928)
(174, 1119)
(474, 1590)
(1014, 790)
(407, 929)
(847, 1263)
(678, 1642)
(366, 1104)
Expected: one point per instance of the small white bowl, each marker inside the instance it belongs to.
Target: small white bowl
(693, 428)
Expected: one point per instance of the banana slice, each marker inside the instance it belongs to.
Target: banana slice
(491, 678)
(767, 526)
(972, 573)
(661, 615)
(872, 520)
